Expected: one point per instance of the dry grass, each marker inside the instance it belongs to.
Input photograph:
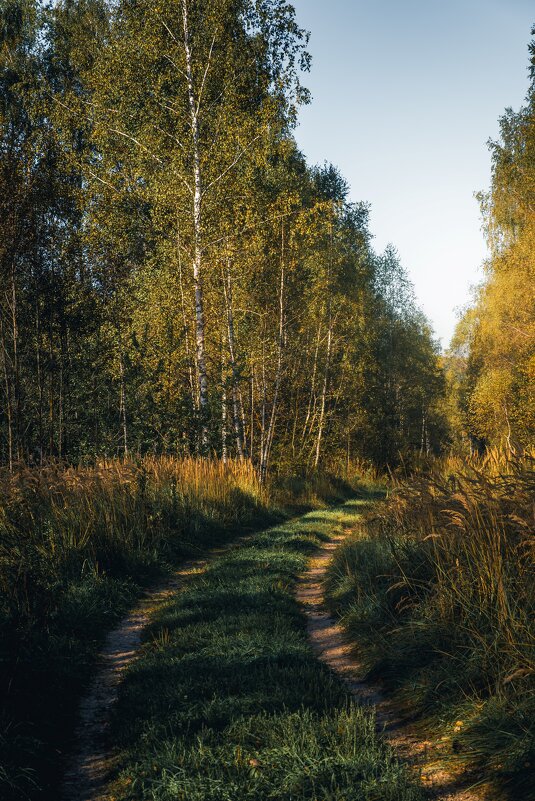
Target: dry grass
(62, 519)
(476, 525)
(76, 546)
(439, 588)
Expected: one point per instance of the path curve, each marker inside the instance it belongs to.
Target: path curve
(91, 762)
(330, 645)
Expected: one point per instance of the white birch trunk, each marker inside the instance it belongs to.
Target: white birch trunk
(274, 408)
(202, 378)
(324, 395)
(237, 404)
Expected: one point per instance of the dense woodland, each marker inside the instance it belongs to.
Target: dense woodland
(175, 277)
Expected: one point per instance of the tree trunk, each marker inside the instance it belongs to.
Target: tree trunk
(40, 387)
(324, 394)
(16, 413)
(268, 441)
(311, 398)
(251, 423)
(194, 394)
(237, 403)
(122, 405)
(325, 386)
(60, 407)
(224, 412)
(7, 384)
(202, 378)
(263, 412)
(423, 433)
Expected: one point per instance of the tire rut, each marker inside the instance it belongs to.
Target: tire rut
(330, 644)
(92, 761)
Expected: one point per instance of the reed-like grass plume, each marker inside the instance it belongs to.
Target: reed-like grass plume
(438, 589)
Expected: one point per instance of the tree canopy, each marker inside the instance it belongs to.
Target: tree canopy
(175, 276)
(494, 345)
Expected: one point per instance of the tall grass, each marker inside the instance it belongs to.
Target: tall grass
(59, 525)
(438, 588)
(76, 545)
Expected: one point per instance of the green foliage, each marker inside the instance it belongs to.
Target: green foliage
(118, 287)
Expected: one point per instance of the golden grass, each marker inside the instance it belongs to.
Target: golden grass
(478, 525)
(438, 590)
(57, 520)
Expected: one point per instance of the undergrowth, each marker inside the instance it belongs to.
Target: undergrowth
(228, 701)
(76, 547)
(437, 590)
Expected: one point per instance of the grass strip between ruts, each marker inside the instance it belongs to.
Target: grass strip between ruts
(227, 701)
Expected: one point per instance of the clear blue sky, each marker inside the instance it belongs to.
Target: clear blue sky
(406, 94)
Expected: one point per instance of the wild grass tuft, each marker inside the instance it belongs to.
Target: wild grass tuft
(438, 589)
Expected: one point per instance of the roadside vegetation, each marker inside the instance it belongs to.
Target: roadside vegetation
(228, 701)
(77, 546)
(436, 587)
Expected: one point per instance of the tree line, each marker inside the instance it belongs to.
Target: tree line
(174, 276)
(491, 366)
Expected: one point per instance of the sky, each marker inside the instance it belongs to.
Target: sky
(406, 94)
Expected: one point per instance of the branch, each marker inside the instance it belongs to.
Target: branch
(168, 29)
(136, 142)
(246, 228)
(233, 164)
(170, 135)
(205, 74)
(175, 65)
(130, 138)
(102, 181)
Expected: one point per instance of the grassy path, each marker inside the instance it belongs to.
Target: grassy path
(227, 700)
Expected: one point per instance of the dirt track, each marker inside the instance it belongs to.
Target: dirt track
(91, 761)
(331, 646)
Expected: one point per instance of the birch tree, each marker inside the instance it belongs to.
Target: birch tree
(186, 92)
